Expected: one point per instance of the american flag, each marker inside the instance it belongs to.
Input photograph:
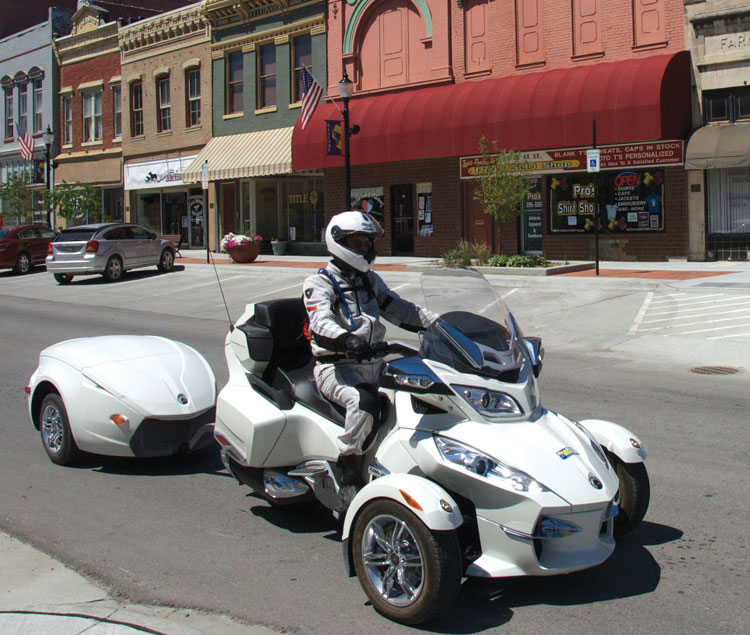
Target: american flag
(26, 141)
(311, 92)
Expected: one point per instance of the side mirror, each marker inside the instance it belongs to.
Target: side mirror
(536, 353)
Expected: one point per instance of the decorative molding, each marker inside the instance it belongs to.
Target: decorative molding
(195, 62)
(248, 42)
(117, 79)
(161, 70)
(361, 8)
(135, 77)
(163, 29)
(67, 90)
(98, 83)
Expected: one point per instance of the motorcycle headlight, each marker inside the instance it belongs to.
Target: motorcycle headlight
(483, 465)
(489, 403)
(594, 443)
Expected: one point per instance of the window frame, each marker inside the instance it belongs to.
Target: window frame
(192, 100)
(163, 106)
(10, 120)
(117, 111)
(23, 105)
(136, 113)
(96, 127)
(730, 98)
(67, 115)
(297, 68)
(236, 85)
(37, 104)
(264, 81)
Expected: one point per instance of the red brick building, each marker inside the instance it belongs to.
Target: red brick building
(431, 78)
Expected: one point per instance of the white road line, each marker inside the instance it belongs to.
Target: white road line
(203, 284)
(263, 295)
(509, 293)
(672, 299)
(641, 313)
(718, 328)
(725, 337)
(702, 322)
(401, 286)
(689, 317)
(700, 308)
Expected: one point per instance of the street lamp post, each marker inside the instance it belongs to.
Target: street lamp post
(49, 139)
(346, 89)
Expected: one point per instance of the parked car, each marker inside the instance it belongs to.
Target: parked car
(24, 246)
(108, 249)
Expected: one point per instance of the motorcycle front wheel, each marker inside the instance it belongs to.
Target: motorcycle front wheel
(410, 573)
(635, 493)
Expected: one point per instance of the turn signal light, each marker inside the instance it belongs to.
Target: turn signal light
(410, 500)
(119, 420)
(92, 246)
(27, 389)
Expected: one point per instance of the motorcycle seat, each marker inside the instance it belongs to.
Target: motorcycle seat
(305, 391)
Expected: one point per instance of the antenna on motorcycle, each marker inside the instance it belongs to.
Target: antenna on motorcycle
(221, 290)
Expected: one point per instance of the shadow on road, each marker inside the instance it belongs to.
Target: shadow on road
(306, 518)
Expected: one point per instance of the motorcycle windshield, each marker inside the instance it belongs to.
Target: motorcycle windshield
(475, 333)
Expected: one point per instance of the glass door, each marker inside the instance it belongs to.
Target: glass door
(402, 219)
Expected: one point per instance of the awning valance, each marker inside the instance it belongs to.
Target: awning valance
(719, 146)
(641, 99)
(239, 156)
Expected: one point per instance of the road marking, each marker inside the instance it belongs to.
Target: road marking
(641, 313)
(718, 328)
(670, 300)
(203, 284)
(511, 292)
(688, 317)
(700, 308)
(263, 295)
(726, 337)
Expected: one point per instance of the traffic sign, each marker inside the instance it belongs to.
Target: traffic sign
(592, 160)
(204, 175)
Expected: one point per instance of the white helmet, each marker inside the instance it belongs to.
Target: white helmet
(344, 225)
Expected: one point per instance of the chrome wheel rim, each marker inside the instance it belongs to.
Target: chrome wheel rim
(166, 260)
(24, 263)
(52, 429)
(114, 269)
(393, 560)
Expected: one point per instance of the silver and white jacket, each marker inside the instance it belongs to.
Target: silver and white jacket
(355, 308)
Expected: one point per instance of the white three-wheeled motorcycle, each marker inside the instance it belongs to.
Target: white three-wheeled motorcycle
(466, 472)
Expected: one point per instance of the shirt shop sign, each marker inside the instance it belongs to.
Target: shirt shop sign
(156, 174)
(625, 155)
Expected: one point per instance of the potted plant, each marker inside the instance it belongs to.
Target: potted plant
(241, 248)
(279, 246)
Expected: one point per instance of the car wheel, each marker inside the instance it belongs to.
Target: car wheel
(410, 573)
(63, 278)
(55, 430)
(166, 261)
(634, 494)
(113, 270)
(23, 263)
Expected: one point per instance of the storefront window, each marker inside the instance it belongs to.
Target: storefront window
(148, 211)
(629, 201)
(112, 205)
(305, 203)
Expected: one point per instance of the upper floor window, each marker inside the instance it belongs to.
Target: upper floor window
(117, 109)
(193, 81)
(726, 105)
(234, 82)
(302, 58)
(23, 105)
(37, 104)
(92, 116)
(164, 109)
(67, 108)
(9, 113)
(136, 109)
(267, 76)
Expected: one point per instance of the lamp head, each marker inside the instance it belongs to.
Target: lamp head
(346, 87)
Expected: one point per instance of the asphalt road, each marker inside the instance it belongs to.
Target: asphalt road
(181, 532)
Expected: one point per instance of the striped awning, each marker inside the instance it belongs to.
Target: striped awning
(239, 156)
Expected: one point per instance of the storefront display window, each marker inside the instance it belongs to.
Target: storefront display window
(628, 201)
(305, 201)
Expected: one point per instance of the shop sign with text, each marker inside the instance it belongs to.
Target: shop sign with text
(613, 157)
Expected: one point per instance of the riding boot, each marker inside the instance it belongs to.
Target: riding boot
(351, 469)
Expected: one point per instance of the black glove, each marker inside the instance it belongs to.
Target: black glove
(380, 349)
(358, 348)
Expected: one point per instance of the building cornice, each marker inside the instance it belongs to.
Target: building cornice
(221, 13)
(87, 44)
(163, 29)
(314, 25)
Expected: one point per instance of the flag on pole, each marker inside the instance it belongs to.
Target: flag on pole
(26, 141)
(311, 93)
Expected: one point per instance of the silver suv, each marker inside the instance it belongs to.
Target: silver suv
(108, 249)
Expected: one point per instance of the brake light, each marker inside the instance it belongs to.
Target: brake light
(49, 249)
(92, 246)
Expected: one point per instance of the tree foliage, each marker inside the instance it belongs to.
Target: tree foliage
(503, 187)
(75, 201)
(17, 194)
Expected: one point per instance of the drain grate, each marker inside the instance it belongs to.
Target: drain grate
(715, 370)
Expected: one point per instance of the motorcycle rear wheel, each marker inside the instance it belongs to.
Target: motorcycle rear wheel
(410, 573)
(635, 493)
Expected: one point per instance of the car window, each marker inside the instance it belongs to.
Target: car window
(70, 235)
(5, 232)
(117, 233)
(26, 233)
(46, 233)
(140, 233)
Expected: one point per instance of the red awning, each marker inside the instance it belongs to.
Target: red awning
(642, 99)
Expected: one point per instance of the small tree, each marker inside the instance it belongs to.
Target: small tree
(74, 201)
(17, 194)
(503, 187)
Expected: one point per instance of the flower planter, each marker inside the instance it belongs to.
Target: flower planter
(244, 253)
(279, 247)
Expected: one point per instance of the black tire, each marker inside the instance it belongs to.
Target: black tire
(54, 428)
(635, 493)
(23, 263)
(420, 567)
(113, 271)
(166, 260)
(63, 278)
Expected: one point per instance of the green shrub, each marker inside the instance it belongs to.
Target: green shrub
(451, 258)
(481, 252)
(518, 260)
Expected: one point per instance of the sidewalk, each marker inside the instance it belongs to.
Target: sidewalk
(39, 596)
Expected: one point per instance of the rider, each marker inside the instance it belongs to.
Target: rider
(344, 302)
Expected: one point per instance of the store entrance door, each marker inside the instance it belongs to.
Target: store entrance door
(402, 219)
(195, 205)
(228, 208)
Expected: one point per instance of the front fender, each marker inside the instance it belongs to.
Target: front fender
(618, 440)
